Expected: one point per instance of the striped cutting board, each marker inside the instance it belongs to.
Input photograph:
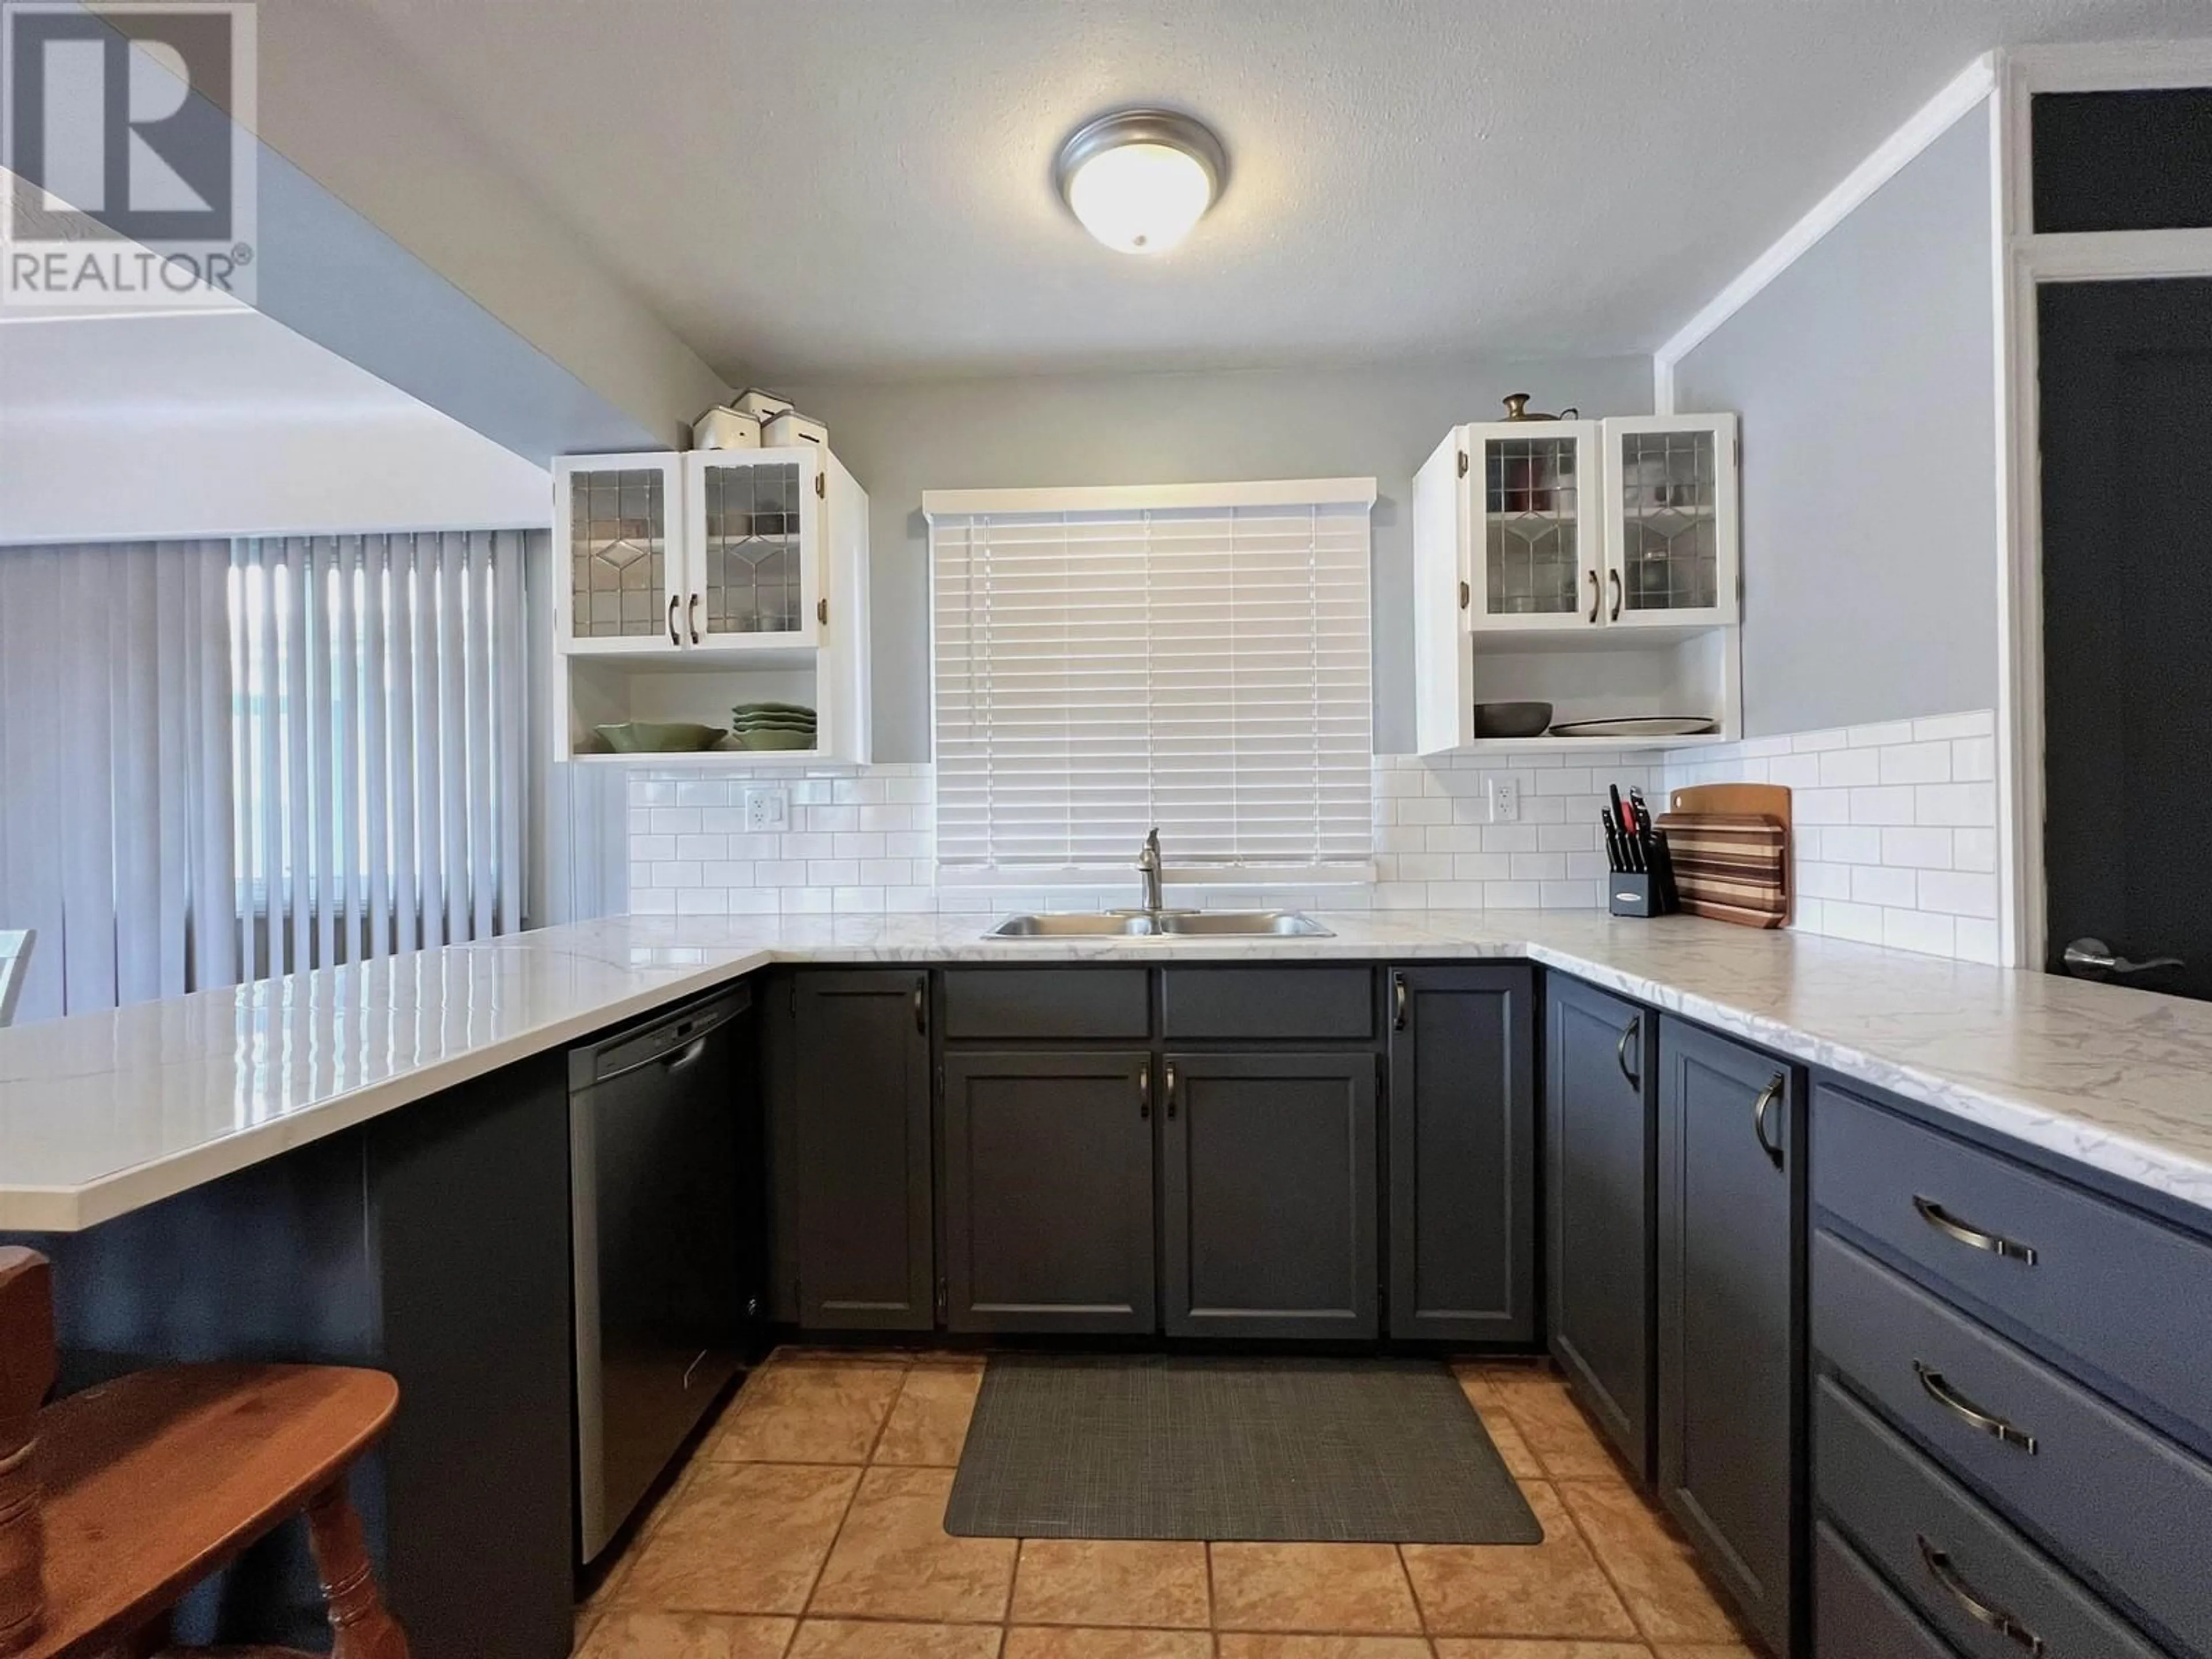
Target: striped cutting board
(1730, 844)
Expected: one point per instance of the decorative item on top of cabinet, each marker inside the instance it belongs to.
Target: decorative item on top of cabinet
(693, 583)
(1533, 535)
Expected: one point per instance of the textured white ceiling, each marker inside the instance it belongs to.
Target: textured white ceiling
(861, 188)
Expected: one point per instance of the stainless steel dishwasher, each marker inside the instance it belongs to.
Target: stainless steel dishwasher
(663, 1183)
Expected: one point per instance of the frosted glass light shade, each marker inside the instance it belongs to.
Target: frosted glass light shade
(1140, 179)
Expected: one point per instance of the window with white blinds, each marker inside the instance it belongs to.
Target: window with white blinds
(1193, 657)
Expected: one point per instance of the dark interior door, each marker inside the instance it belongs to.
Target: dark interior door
(2126, 439)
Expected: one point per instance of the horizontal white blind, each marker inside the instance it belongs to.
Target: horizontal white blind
(380, 740)
(1205, 669)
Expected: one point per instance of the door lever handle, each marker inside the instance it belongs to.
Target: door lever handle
(2092, 958)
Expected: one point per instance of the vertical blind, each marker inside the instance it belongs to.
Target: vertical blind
(379, 742)
(116, 794)
(224, 759)
(1195, 658)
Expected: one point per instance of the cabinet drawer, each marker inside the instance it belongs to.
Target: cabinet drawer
(2129, 1506)
(1068, 1003)
(1855, 1615)
(2126, 1300)
(1305, 1003)
(1970, 1574)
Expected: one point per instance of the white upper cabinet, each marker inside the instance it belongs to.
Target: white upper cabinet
(715, 548)
(1669, 488)
(1534, 537)
(617, 524)
(692, 583)
(753, 534)
(1565, 525)
(1531, 511)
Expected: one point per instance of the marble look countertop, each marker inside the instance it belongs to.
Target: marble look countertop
(102, 1114)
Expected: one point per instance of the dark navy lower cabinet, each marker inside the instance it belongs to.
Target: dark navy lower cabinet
(1600, 1129)
(1730, 1314)
(1269, 1182)
(1047, 1173)
(1462, 1137)
(855, 1137)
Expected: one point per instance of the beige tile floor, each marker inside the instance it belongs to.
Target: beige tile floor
(810, 1526)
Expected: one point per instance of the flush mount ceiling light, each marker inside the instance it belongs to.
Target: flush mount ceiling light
(1139, 178)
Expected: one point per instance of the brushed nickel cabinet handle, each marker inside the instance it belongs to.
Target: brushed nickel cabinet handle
(1398, 1002)
(1620, 1051)
(1983, 1612)
(1594, 594)
(1938, 1387)
(1767, 1096)
(1614, 576)
(692, 613)
(921, 1008)
(1972, 1237)
(674, 638)
(1144, 1090)
(1171, 1089)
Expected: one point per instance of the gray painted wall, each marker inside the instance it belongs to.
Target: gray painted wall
(1865, 376)
(1382, 421)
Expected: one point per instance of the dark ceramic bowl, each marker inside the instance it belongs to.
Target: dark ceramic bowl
(1512, 719)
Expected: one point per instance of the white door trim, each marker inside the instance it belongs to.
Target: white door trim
(2024, 261)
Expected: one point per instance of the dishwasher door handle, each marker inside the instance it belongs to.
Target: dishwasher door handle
(682, 1057)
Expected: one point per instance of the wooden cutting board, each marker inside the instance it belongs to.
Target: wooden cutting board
(1730, 844)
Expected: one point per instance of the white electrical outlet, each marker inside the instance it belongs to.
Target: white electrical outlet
(768, 807)
(1504, 801)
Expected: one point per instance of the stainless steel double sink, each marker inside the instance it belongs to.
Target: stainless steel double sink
(1161, 924)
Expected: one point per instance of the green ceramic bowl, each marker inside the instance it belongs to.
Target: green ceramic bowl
(660, 736)
(797, 708)
(776, 740)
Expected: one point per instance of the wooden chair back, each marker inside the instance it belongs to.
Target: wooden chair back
(26, 1373)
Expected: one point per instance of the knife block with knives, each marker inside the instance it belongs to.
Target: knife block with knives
(1640, 881)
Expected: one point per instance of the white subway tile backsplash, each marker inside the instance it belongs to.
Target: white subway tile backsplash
(1875, 883)
(1981, 723)
(1896, 837)
(1844, 768)
(1915, 762)
(1967, 804)
(1903, 855)
(1915, 848)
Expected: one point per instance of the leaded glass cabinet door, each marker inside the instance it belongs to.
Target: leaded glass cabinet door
(617, 521)
(754, 535)
(1533, 518)
(1671, 520)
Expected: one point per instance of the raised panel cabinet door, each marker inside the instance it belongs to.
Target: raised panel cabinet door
(1047, 1191)
(1598, 1127)
(1462, 1154)
(861, 1138)
(1268, 1181)
(1731, 1330)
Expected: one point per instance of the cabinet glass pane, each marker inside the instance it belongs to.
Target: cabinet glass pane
(753, 548)
(1670, 524)
(618, 553)
(1533, 560)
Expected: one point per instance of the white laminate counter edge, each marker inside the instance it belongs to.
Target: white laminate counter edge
(101, 1115)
